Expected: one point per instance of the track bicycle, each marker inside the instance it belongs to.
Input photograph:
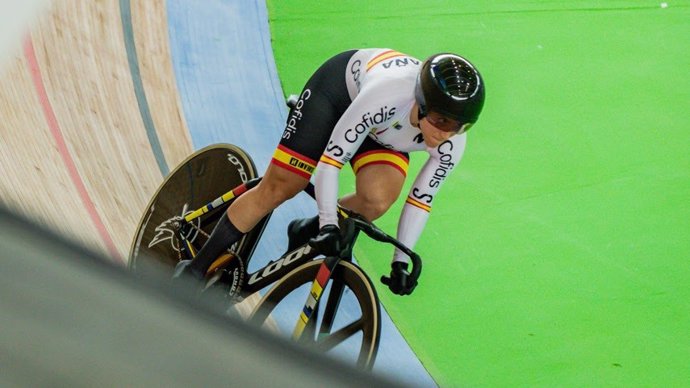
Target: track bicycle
(301, 277)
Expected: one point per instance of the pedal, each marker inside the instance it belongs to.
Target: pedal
(214, 272)
(227, 272)
(221, 262)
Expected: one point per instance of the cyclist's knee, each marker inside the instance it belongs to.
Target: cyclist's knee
(279, 187)
(378, 208)
(374, 205)
(378, 187)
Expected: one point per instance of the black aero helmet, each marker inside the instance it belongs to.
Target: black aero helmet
(450, 85)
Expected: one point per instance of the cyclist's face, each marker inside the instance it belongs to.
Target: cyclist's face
(437, 128)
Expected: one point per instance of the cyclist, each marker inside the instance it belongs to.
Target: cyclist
(368, 107)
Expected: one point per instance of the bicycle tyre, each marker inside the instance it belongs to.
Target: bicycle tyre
(354, 279)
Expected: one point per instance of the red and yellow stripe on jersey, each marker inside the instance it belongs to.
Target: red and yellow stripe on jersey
(292, 161)
(328, 160)
(391, 158)
(382, 57)
(415, 203)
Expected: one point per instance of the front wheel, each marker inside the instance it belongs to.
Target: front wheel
(353, 333)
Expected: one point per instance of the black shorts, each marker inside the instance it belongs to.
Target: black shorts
(311, 121)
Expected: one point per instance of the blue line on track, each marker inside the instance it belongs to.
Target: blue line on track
(133, 60)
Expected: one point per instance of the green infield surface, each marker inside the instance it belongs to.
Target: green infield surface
(557, 252)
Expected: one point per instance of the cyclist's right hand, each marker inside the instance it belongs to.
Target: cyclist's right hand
(327, 242)
(400, 281)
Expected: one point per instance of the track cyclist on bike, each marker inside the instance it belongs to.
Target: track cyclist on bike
(368, 107)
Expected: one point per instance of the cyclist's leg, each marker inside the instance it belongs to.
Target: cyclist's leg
(377, 188)
(308, 128)
(276, 186)
(380, 174)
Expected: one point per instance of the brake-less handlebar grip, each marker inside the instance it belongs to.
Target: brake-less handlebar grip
(416, 265)
(414, 274)
(377, 234)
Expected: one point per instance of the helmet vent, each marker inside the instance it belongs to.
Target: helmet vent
(455, 78)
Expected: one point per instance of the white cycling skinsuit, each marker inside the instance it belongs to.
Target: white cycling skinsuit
(381, 85)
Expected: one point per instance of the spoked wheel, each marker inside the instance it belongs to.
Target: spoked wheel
(346, 321)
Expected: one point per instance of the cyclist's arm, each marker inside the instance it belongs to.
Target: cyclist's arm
(348, 135)
(417, 207)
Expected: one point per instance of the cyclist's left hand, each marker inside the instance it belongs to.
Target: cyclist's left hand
(400, 282)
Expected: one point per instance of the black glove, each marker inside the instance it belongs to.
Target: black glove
(400, 282)
(327, 242)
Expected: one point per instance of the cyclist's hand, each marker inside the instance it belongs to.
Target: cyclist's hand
(327, 242)
(400, 282)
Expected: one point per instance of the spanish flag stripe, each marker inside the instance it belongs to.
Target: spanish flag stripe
(290, 168)
(402, 170)
(393, 159)
(376, 58)
(385, 152)
(285, 157)
(292, 153)
(382, 57)
(332, 162)
(418, 204)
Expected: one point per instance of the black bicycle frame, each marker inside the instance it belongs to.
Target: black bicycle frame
(275, 270)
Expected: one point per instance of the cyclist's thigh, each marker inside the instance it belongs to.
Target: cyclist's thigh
(281, 180)
(380, 182)
(371, 152)
(379, 168)
(372, 159)
(310, 123)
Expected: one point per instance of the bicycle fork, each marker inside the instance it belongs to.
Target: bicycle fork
(317, 287)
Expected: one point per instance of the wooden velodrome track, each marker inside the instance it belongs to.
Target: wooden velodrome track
(75, 154)
(93, 119)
